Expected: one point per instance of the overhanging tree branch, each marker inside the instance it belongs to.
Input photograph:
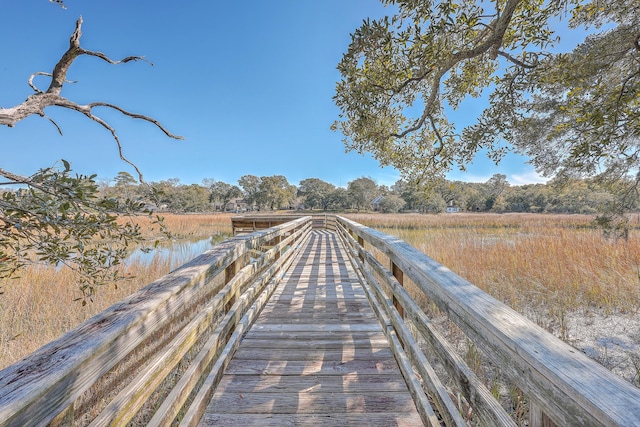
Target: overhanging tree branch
(36, 103)
(515, 60)
(490, 43)
(59, 218)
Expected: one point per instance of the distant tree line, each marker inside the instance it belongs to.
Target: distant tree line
(267, 193)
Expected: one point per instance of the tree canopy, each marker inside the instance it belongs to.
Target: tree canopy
(317, 193)
(574, 113)
(496, 194)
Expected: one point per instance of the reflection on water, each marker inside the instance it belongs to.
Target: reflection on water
(175, 252)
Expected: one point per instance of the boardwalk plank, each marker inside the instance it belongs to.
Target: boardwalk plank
(315, 327)
(308, 403)
(389, 419)
(344, 354)
(317, 354)
(314, 340)
(327, 318)
(318, 308)
(348, 383)
(383, 366)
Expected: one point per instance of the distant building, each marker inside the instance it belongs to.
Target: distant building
(452, 209)
(236, 205)
(375, 203)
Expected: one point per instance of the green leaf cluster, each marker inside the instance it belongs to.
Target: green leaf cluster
(574, 114)
(57, 217)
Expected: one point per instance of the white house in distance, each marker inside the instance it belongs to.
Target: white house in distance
(452, 209)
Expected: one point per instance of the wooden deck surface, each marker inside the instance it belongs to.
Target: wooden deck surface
(316, 355)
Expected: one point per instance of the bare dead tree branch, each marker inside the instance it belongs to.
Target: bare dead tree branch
(136, 116)
(13, 178)
(53, 122)
(59, 3)
(42, 73)
(111, 61)
(36, 103)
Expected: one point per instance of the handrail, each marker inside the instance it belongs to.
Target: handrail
(130, 349)
(489, 411)
(566, 386)
(248, 223)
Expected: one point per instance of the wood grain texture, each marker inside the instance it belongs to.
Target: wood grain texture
(317, 354)
(399, 419)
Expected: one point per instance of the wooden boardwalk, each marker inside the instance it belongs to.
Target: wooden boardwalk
(316, 355)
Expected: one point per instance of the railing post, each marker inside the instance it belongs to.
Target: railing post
(537, 418)
(277, 240)
(229, 274)
(399, 275)
(230, 271)
(361, 243)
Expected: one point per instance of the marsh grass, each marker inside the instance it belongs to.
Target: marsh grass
(43, 302)
(549, 263)
(186, 225)
(560, 271)
(544, 266)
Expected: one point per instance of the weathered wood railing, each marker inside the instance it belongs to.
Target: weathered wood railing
(156, 357)
(151, 358)
(244, 224)
(565, 386)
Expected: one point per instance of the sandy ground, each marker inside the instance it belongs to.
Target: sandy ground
(612, 339)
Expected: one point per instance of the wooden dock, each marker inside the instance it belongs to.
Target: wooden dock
(316, 355)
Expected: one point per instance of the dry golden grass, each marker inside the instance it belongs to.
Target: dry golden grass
(187, 225)
(557, 270)
(42, 304)
(558, 262)
(545, 263)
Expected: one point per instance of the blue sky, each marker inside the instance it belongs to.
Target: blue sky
(248, 84)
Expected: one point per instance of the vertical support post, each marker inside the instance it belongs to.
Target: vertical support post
(361, 243)
(537, 418)
(399, 275)
(230, 271)
(277, 240)
(229, 274)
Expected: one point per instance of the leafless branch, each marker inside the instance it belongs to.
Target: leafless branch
(59, 3)
(37, 102)
(136, 116)
(117, 139)
(14, 178)
(111, 61)
(41, 73)
(28, 181)
(54, 123)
